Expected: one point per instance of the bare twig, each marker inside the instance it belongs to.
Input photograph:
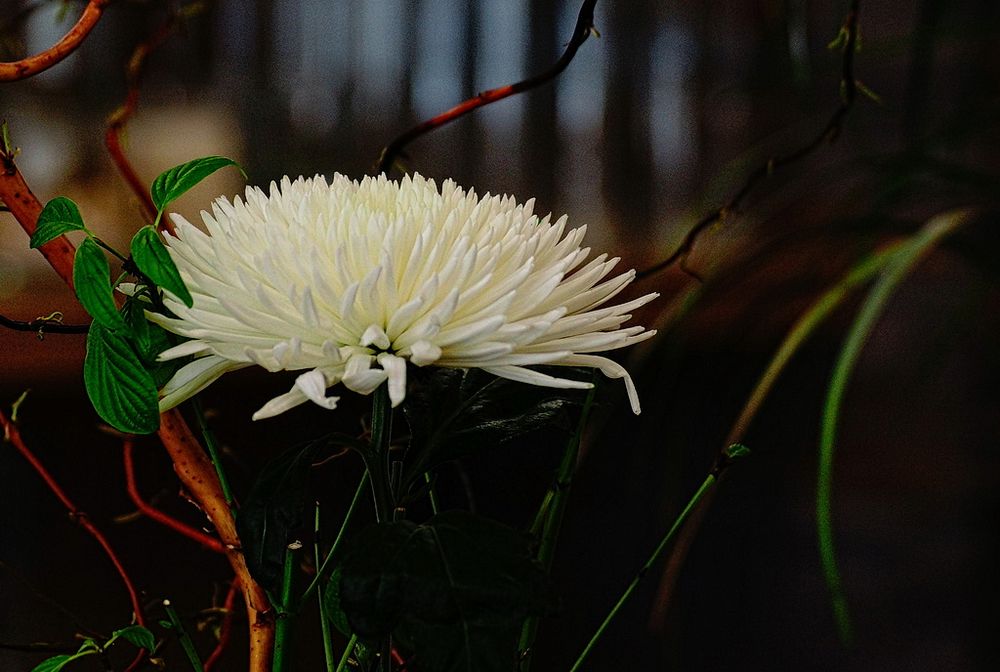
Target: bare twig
(209, 542)
(32, 65)
(121, 116)
(829, 133)
(13, 436)
(52, 324)
(584, 27)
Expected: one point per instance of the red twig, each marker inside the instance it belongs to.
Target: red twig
(32, 65)
(209, 542)
(227, 625)
(829, 133)
(121, 116)
(13, 436)
(584, 27)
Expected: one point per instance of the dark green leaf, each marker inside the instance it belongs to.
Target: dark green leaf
(122, 391)
(331, 603)
(91, 279)
(151, 256)
(59, 216)
(137, 635)
(453, 592)
(53, 664)
(171, 184)
(274, 509)
(150, 340)
(454, 412)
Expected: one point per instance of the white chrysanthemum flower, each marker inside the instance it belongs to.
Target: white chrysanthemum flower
(352, 280)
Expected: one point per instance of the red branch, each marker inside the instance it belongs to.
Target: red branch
(209, 542)
(13, 436)
(584, 27)
(227, 626)
(121, 116)
(32, 65)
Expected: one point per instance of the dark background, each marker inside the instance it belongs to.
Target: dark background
(653, 125)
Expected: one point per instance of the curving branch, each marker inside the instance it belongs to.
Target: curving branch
(32, 65)
(829, 134)
(225, 630)
(209, 542)
(13, 436)
(584, 28)
(51, 324)
(121, 116)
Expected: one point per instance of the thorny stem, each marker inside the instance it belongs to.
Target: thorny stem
(584, 28)
(829, 133)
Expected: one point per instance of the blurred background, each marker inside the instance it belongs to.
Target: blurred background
(655, 124)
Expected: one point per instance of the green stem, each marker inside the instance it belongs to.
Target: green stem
(110, 249)
(377, 456)
(904, 259)
(325, 565)
(435, 506)
(708, 483)
(283, 624)
(342, 665)
(182, 636)
(550, 515)
(213, 450)
(324, 622)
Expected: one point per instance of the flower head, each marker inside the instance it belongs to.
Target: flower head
(351, 280)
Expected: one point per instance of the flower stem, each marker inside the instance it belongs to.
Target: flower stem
(549, 518)
(283, 626)
(323, 567)
(182, 636)
(377, 456)
(904, 259)
(213, 449)
(435, 507)
(708, 483)
(324, 622)
(342, 665)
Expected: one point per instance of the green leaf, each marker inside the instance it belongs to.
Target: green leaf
(331, 603)
(151, 256)
(122, 391)
(57, 217)
(91, 279)
(454, 412)
(274, 508)
(53, 664)
(150, 340)
(453, 592)
(170, 185)
(141, 637)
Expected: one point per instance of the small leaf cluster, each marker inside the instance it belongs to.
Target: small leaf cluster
(135, 634)
(121, 373)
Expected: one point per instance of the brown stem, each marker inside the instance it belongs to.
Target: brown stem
(584, 27)
(190, 463)
(13, 436)
(32, 65)
(211, 543)
(829, 133)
